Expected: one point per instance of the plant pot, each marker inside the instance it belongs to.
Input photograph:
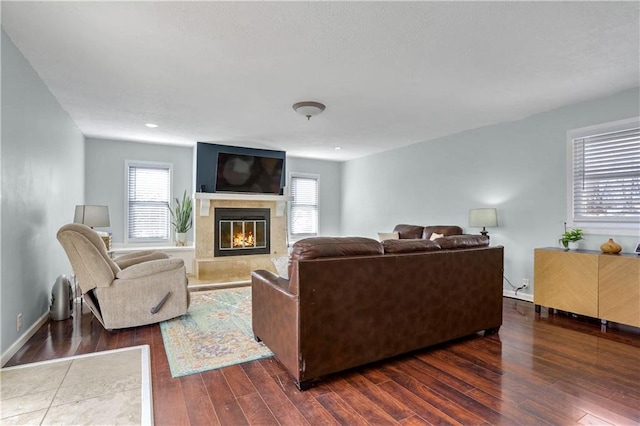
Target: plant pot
(574, 245)
(181, 239)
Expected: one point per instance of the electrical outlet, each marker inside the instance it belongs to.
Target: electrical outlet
(19, 322)
(525, 282)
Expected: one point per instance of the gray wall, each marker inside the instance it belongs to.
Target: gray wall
(105, 174)
(518, 167)
(330, 190)
(42, 171)
(104, 178)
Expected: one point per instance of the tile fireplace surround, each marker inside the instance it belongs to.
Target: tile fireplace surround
(229, 269)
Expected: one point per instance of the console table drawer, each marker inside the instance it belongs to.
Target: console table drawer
(619, 290)
(567, 281)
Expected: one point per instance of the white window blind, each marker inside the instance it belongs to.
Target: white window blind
(148, 193)
(606, 177)
(303, 215)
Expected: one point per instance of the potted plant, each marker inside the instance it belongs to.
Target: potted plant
(570, 238)
(181, 218)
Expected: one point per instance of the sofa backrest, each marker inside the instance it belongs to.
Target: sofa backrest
(409, 246)
(445, 230)
(316, 247)
(409, 232)
(412, 232)
(328, 247)
(462, 241)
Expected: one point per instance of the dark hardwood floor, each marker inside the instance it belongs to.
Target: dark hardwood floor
(540, 369)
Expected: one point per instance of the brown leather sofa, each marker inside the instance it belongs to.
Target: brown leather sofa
(351, 301)
(425, 232)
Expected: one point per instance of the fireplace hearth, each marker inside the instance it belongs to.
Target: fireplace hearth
(241, 231)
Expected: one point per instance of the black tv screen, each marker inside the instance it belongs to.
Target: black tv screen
(248, 173)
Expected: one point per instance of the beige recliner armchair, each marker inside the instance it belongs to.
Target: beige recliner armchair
(136, 289)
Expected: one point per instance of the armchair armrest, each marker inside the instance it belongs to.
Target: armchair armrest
(149, 268)
(134, 258)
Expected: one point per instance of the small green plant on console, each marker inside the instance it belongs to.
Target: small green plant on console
(570, 236)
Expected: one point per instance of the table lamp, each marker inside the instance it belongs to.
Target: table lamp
(483, 218)
(94, 216)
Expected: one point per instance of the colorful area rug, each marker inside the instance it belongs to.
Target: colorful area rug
(215, 332)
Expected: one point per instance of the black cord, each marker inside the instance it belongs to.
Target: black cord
(515, 291)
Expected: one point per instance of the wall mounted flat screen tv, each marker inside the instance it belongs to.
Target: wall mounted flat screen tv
(248, 173)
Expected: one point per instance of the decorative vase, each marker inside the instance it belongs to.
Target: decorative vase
(574, 245)
(611, 247)
(181, 239)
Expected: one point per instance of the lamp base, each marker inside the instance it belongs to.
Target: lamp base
(485, 232)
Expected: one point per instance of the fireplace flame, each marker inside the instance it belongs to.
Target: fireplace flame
(244, 240)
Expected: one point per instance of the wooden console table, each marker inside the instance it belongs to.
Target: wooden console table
(588, 282)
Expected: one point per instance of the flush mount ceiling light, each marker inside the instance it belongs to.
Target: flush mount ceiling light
(308, 108)
(151, 125)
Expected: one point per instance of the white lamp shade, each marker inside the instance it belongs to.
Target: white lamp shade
(93, 216)
(479, 218)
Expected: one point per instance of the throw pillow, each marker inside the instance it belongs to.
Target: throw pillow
(435, 236)
(282, 266)
(388, 236)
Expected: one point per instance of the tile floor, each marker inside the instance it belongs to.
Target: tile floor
(111, 387)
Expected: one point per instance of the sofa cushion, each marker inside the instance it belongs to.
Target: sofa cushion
(409, 231)
(463, 241)
(445, 230)
(316, 247)
(409, 246)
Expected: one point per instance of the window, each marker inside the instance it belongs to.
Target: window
(147, 201)
(303, 215)
(605, 176)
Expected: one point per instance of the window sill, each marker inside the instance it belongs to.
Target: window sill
(615, 229)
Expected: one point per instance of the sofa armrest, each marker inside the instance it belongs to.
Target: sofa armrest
(149, 268)
(130, 259)
(275, 317)
(270, 279)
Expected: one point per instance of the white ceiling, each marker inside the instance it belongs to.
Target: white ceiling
(390, 73)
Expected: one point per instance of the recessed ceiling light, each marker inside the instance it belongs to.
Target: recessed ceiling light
(338, 148)
(151, 125)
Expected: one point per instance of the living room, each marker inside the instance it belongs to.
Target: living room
(518, 166)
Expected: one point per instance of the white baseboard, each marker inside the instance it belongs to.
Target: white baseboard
(522, 296)
(13, 349)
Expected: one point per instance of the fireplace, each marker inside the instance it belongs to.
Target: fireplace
(241, 231)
